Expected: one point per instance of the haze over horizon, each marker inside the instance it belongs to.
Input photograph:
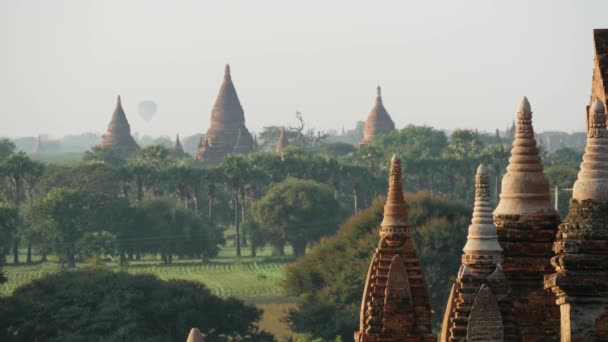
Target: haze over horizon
(440, 63)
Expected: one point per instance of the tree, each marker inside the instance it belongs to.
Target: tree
(108, 156)
(236, 169)
(15, 167)
(63, 218)
(99, 305)
(8, 224)
(7, 148)
(298, 211)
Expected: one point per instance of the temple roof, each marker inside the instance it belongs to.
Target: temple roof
(592, 182)
(118, 135)
(482, 231)
(378, 120)
(227, 108)
(525, 188)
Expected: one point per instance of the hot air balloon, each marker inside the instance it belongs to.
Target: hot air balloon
(147, 110)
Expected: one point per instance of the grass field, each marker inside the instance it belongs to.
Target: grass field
(255, 280)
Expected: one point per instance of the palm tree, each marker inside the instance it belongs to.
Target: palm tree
(236, 170)
(15, 167)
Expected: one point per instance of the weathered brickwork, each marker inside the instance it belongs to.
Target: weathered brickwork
(227, 133)
(395, 305)
(526, 224)
(378, 121)
(118, 136)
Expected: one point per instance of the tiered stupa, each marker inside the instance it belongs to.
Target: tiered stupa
(282, 142)
(378, 121)
(395, 305)
(480, 307)
(527, 223)
(118, 137)
(177, 147)
(227, 133)
(581, 261)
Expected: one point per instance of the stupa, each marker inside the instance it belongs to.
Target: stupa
(195, 336)
(599, 83)
(527, 223)
(118, 137)
(581, 261)
(395, 305)
(378, 121)
(177, 147)
(282, 142)
(479, 307)
(227, 132)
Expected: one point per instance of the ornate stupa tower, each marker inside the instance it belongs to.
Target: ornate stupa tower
(118, 137)
(395, 305)
(227, 133)
(378, 121)
(480, 307)
(527, 223)
(581, 248)
(282, 142)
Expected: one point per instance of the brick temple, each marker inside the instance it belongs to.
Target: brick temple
(227, 132)
(395, 305)
(118, 136)
(378, 121)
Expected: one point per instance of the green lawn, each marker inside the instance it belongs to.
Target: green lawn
(255, 280)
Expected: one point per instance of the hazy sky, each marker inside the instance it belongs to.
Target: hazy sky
(447, 64)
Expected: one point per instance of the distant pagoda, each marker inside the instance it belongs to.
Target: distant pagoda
(177, 147)
(580, 280)
(227, 133)
(395, 305)
(118, 137)
(479, 307)
(282, 142)
(527, 224)
(378, 121)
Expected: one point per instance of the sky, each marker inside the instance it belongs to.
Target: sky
(448, 64)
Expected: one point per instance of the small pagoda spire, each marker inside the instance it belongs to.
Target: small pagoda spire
(395, 210)
(195, 336)
(282, 142)
(482, 231)
(177, 145)
(227, 75)
(592, 182)
(118, 135)
(473, 307)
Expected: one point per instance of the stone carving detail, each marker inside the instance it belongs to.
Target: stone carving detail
(485, 320)
(227, 133)
(526, 225)
(480, 306)
(118, 136)
(395, 305)
(378, 121)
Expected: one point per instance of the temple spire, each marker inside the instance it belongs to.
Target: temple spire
(526, 223)
(592, 182)
(378, 120)
(177, 145)
(118, 135)
(482, 231)
(282, 142)
(195, 336)
(395, 305)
